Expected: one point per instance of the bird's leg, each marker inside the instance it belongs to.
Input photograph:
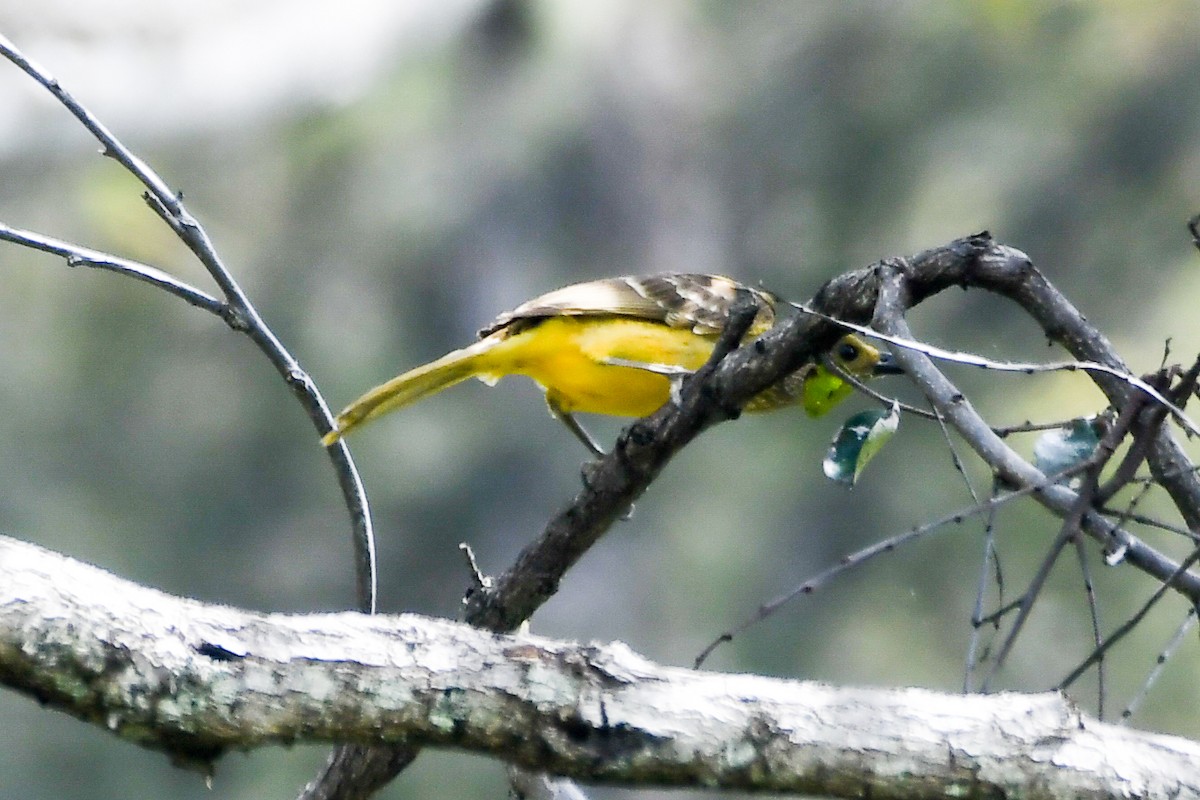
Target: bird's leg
(672, 372)
(566, 418)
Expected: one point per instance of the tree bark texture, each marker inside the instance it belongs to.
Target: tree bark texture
(194, 680)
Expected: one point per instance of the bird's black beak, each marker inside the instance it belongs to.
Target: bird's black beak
(886, 365)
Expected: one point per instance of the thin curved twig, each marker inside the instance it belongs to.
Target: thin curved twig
(857, 559)
(1098, 653)
(1026, 368)
(78, 256)
(1131, 708)
(1069, 530)
(991, 559)
(895, 294)
(237, 311)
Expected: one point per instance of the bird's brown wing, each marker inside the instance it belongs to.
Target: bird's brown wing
(680, 300)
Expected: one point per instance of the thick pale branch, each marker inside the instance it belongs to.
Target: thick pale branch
(194, 680)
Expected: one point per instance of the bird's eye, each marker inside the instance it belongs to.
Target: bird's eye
(847, 352)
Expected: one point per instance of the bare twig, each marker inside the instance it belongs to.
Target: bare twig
(1119, 634)
(77, 256)
(1127, 515)
(1071, 525)
(1189, 622)
(1089, 590)
(236, 310)
(990, 564)
(1026, 368)
(857, 559)
(1004, 431)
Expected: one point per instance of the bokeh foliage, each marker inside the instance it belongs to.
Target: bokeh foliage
(546, 142)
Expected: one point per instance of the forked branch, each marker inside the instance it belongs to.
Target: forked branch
(235, 308)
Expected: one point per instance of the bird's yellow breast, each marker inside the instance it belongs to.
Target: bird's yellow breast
(566, 355)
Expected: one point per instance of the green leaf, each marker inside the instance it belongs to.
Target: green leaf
(859, 439)
(1066, 447)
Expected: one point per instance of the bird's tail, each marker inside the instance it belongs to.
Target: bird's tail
(418, 383)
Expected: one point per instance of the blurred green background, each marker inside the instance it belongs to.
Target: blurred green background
(385, 180)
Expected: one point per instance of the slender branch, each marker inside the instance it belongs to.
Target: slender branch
(902, 284)
(166, 202)
(1189, 621)
(857, 559)
(1004, 431)
(195, 680)
(1089, 591)
(1068, 531)
(1023, 367)
(1126, 515)
(77, 256)
(989, 564)
(237, 310)
(1098, 653)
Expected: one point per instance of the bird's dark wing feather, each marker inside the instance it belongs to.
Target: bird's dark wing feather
(680, 300)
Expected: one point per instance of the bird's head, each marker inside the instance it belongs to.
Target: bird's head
(824, 389)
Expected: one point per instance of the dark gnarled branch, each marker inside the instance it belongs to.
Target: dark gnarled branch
(648, 445)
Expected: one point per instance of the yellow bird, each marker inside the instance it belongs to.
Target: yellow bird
(612, 347)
